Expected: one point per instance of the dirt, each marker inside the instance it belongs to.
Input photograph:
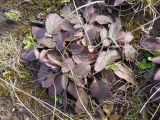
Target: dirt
(4, 25)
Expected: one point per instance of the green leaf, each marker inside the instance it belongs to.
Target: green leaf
(112, 67)
(144, 65)
(13, 15)
(65, 1)
(28, 42)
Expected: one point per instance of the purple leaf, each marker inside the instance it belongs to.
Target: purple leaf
(85, 56)
(156, 59)
(78, 81)
(104, 37)
(106, 58)
(43, 71)
(83, 99)
(29, 55)
(124, 38)
(65, 11)
(115, 28)
(67, 65)
(52, 23)
(72, 90)
(47, 42)
(102, 19)
(89, 12)
(124, 72)
(130, 52)
(38, 32)
(64, 81)
(82, 70)
(92, 32)
(75, 48)
(46, 83)
(151, 43)
(157, 75)
(118, 2)
(59, 41)
(100, 91)
(56, 87)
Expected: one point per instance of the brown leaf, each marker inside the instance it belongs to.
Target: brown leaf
(67, 65)
(82, 70)
(151, 43)
(105, 58)
(100, 91)
(81, 102)
(125, 73)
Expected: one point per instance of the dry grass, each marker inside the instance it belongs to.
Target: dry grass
(10, 51)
